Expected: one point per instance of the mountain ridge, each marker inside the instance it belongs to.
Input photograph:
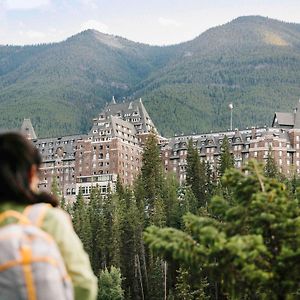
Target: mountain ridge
(186, 87)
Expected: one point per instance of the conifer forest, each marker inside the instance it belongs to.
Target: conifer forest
(225, 234)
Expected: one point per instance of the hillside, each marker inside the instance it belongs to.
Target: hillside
(62, 86)
(253, 62)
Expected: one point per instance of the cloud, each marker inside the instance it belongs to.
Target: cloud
(32, 34)
(25, 4)
(90, 3)
(168, 22)
(94, 24)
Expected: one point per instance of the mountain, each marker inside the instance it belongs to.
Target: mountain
(251, 61)
(62, 86)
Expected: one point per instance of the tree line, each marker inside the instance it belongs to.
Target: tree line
(225, 234)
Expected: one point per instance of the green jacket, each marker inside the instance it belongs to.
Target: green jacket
(58, 224)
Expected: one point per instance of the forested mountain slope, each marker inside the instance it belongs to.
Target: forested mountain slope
(62, 86)
(252, 61)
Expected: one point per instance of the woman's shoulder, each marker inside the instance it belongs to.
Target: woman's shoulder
(56, 219)
(10, 205)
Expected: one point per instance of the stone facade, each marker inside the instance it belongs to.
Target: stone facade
(282, 139)
(245, 144)
(114, 147)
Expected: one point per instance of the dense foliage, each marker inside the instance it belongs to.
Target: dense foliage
(232, 238)
(253, 62)
(249, 243)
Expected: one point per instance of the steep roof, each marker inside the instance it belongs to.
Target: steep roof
(287, 120)
(283, 119)
(133, 112)
(27, 129)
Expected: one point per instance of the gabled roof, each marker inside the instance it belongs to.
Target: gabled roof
(287, 120)
(283, 119)
(133, 112)
(27, 129)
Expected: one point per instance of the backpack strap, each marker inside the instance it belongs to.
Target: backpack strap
(14, 214)
(36, 213)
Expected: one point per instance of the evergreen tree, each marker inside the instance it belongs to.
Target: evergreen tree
(62, 204)
(132, 260)
(226, 159)
(151, 172)
(110, 285)
(196, 175)
(271, 169)
(81, 222)
(119, 187)
(250, 244)
(97, 229)
(156, 279)
(189, 289)
(182, 287)
(210, 180)
(171, 201)
(55, 190)
(188, 203)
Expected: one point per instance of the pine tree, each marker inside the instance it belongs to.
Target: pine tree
(210, 180)
(81, 222)
(271, 169)
(188, 203)
(196, 175)
(249, 244)
(171, 201)
(97, 227)
(119, 187)
(110, 284)
(151, 172)
(55, 190)
(182, 287)
(131, 252)
(226, 159)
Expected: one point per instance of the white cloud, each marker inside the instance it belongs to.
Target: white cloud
(32, 34)
(90, 3)
(25, 4)
(94, 24)
(168, 22)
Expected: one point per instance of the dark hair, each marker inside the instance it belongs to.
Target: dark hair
(17, 156)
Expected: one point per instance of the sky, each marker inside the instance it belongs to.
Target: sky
(155, 22)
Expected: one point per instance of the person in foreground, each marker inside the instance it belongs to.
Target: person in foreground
(20, 201)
